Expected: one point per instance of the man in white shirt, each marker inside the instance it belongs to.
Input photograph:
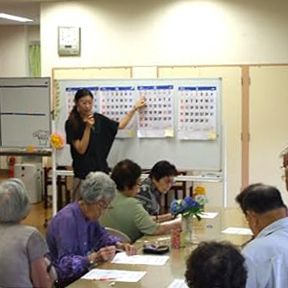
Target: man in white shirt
(267, 254)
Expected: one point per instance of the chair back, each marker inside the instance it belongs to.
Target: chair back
(122, 236)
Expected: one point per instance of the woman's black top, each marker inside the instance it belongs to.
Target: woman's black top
(102, 136)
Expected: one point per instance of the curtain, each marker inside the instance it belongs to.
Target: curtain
(35, 60)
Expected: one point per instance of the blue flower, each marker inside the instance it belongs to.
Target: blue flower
(189, 203)
(188, 207)
(176, 207)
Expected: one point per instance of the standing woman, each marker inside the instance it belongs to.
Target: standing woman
(91, 136)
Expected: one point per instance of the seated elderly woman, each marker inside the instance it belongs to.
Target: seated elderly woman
(75, 238)
(216, 264)
(159, 181)
(126, 213)
(22, 248)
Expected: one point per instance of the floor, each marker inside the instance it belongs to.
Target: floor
(38, 217)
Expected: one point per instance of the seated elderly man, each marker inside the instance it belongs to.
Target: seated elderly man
(75, 238)
(127, 214)
(267, 254)
(22, 248)
(214, 264)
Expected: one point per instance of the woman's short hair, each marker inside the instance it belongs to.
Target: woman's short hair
(14, 202)
(216, 264)
(162, 169)
(125, 174)
(97, 186)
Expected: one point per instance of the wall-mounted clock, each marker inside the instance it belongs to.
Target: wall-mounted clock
(69, 41)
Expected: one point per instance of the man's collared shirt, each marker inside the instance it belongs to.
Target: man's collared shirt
(267, 257)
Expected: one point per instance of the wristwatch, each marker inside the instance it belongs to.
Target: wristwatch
(92, 262)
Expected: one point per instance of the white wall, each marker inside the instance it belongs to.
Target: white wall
(163, 32)
(14, 51)
(268, 106)
(33, 33)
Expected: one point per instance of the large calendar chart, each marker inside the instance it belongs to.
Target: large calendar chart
(156, 119)
(197, 113)
(115, 103)
(70, 93)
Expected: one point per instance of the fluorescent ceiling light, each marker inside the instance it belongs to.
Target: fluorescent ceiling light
(14, 18)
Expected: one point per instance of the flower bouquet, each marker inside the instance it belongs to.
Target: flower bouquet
(189, 206)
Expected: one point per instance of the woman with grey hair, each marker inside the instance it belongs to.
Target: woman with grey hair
(22, 248)
(75, 238)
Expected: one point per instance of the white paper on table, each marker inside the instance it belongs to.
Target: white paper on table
(122, 258)
(238, 231)
(208, 215)
(178, 283)
(114, 275)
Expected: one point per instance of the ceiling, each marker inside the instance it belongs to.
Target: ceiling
(23, 8)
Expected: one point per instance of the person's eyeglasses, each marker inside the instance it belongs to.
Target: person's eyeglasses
(170, 181)
(138, 183)
(103, 205)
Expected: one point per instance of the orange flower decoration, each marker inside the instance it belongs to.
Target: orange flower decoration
(57, 141)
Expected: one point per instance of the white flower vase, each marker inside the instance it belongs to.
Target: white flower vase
(187, 228)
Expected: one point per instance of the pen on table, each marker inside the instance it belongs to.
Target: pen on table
(105, 279)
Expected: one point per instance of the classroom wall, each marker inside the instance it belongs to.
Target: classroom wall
(14, 51)
(33, 33)
(163, 32)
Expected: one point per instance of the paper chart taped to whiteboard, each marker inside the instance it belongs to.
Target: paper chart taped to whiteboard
(115, 103)
(156, 119)
(197, 112)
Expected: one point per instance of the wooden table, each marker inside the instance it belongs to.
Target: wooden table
(162, 276)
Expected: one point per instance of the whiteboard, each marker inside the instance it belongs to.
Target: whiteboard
(25, 112)
(185, 154)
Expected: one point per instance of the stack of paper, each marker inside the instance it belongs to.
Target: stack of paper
(178, 283)
(238, 231)
(122, 258)
(114, 275)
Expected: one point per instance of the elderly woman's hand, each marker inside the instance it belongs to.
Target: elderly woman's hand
(129, 249)
(104, 254)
